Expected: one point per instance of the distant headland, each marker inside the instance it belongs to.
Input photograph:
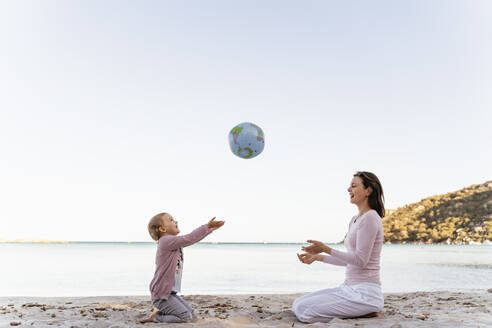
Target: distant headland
(459, 217)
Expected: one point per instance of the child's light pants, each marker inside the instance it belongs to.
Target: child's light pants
(345, 301)
(174, 309)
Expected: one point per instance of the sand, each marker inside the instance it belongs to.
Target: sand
(420, 309)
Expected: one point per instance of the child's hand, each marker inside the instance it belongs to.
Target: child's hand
(214, 225)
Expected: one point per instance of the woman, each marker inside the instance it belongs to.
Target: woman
(360, 294)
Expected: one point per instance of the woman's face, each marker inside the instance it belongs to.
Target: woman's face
(358, 194)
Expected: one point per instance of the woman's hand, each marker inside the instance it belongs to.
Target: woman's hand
(316, 247)
(309, 258)
(214, 225)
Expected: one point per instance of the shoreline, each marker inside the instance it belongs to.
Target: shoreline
(430, 309)
(473, 243)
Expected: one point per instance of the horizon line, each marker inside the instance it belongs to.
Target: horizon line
(20, 241)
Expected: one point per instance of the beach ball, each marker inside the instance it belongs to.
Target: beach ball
(246, 140)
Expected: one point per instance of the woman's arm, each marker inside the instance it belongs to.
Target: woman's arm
(366, 235)
(333, 260)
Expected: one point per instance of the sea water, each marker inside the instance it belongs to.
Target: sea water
(96, 269)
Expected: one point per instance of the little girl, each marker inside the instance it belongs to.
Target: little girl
(168, 306)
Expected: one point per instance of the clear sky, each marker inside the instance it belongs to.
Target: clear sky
(113, 111)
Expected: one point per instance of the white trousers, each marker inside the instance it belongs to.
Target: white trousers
(345, 301)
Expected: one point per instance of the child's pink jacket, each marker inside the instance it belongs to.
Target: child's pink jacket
(167, 259)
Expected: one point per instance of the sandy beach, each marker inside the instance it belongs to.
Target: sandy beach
(419, 309)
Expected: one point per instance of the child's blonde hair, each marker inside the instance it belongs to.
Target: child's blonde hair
(154, 225)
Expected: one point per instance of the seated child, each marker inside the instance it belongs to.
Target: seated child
(164, 288)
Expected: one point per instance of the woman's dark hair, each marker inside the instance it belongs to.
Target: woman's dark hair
(376, 198)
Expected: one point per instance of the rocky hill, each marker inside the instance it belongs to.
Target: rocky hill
(460, 217)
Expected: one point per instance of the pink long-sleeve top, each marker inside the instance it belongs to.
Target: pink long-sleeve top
(364, 242)
(167, 259)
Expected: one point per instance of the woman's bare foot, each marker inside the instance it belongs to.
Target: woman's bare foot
(150, 318)
(378, 315)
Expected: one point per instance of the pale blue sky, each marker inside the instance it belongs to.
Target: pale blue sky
(113, 111)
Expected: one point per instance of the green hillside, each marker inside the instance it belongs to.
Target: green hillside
(460, 217)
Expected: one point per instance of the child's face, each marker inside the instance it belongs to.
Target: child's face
(169, 225)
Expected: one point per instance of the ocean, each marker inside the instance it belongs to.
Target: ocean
(100, 269)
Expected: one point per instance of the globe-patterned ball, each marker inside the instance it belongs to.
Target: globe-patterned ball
(246, 140)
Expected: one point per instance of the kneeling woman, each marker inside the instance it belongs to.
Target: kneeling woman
(360, 294)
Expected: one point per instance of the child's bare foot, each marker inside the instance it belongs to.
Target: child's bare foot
(150, 318)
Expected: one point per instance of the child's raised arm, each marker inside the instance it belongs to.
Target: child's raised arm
(175, 242)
